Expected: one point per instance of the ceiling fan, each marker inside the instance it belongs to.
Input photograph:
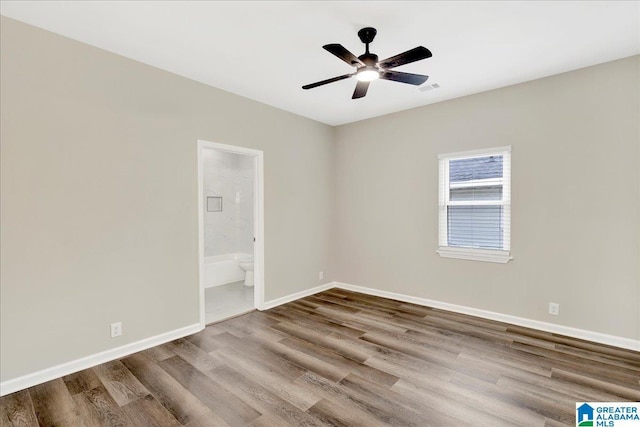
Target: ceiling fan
(368, 68)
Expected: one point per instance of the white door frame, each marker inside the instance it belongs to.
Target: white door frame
(258, 219)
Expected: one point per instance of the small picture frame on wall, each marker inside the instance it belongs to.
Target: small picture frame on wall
(214, 204)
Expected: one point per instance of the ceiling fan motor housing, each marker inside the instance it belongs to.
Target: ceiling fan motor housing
(368, 59)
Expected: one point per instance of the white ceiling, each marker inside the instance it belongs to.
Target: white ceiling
(267, 50)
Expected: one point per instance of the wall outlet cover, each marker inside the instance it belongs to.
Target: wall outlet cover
(554, 308)
(116, 329)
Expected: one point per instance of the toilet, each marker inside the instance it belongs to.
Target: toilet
(246, 263)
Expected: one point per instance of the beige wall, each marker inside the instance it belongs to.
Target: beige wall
(99, 196)
(575, 190)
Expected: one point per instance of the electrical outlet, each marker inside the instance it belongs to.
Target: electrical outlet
(554, 308)
(116, 329)
(321, 275)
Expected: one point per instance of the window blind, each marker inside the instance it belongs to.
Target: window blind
(475, 200)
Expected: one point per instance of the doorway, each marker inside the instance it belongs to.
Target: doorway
(231, 230)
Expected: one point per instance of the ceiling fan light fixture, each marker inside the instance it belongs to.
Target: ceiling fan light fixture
(368, 74)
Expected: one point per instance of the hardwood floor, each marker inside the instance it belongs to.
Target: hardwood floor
(340, 358)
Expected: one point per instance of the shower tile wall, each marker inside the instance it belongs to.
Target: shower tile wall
(230, 176)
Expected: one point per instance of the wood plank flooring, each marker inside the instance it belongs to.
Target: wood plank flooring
(340, 358)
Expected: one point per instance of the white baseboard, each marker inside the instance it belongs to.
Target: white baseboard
(288, 298)
(597, 337)
(48, 374)
(58, 371)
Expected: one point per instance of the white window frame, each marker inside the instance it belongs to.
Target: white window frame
(475, 254)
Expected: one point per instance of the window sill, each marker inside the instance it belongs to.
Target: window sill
(473, 254)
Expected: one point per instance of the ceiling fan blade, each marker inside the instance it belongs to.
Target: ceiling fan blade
(413, 55)
(324, 82)
(397, 76)
(342, 53)
(361, 90)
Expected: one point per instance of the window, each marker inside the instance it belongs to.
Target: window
(475, 205)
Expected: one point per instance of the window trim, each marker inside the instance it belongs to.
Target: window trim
(474, 254)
